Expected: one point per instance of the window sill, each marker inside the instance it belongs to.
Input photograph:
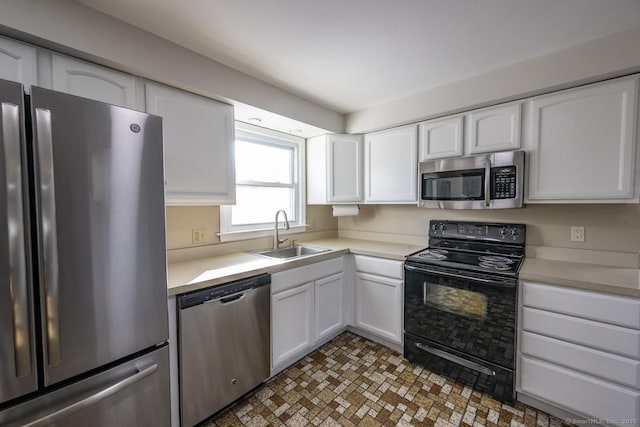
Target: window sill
(234, 236)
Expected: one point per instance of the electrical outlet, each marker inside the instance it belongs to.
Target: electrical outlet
(198, 235)
(577, 234)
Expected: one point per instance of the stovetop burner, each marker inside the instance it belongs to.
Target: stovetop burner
(499, 266)
(433, 254)
(493, 259)
(489, 248)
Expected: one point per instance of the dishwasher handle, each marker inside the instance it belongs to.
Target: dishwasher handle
(224, 294)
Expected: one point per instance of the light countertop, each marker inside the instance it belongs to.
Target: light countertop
(200, 273)
(613, 280)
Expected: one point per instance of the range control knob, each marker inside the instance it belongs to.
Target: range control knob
(502, 231)
(514, 232)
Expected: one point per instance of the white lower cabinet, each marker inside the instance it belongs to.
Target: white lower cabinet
(307, 309)
(580, 351)
(292, 313)
(329, 306)
(378, 297)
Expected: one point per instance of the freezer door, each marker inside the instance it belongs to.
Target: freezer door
(100, 199)
(135, 393)
(17, 358)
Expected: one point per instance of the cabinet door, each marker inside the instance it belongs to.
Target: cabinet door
(198, 146)
(292, 322)
(344, 155)
(18, 62)
(582, 144)
(379, 306)
(440, 138)
(577, 392)
(92, 81)
(329, 307)
(391, 166)
(493, 129)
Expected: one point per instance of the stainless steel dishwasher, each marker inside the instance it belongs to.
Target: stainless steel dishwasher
(224, 334)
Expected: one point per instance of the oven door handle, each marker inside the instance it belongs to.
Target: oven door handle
(455, 359)
(459, 276)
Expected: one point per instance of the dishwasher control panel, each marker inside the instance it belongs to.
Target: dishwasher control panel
(221, 292)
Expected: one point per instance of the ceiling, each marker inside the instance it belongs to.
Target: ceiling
(349, 55)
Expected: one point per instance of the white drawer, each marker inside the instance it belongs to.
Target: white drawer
(577, 392)
(624, 311)
(593, 362)
(379, 266)
(606, 337)
(296, 276)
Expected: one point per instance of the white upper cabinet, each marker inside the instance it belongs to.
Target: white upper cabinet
(198, 146)
(334, 169)
(582, 144)
(440, 138)
(18, 62)
(391, 166)
(493, 129)
(95, 82)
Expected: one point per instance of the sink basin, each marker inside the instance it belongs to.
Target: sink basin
(291, 252)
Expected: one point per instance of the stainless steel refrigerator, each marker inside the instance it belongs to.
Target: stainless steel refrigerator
(83, 296)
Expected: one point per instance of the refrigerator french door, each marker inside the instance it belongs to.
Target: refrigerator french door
(82, 260)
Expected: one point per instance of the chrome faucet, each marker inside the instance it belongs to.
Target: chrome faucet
(276, 236)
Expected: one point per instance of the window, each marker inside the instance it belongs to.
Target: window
(269, 177)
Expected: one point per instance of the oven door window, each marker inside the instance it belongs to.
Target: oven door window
(457, 301)
(454, 185)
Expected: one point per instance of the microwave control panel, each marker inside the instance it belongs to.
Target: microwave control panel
(503, 180)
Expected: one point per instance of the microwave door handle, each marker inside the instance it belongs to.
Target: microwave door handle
(487, 182)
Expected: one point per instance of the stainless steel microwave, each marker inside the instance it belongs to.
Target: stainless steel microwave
(487, 181)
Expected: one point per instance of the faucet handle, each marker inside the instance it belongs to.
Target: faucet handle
(293, 243)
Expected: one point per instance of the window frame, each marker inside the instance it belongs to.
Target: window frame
(259, 135)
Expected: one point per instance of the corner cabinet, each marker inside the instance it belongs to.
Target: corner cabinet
(18, 62)
(198, 146)
(334, 169)
(391, 166)
(92, 81)
(582, 144)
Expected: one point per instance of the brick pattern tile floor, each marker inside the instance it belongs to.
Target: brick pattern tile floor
(352, 381)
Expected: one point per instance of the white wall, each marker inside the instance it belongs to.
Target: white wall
(70, 27)
(610, 56)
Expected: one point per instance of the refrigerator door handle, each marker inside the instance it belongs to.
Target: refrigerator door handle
(15, 216)
(49, 233)
(93, 398)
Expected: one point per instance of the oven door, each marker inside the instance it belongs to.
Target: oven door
(464, 311)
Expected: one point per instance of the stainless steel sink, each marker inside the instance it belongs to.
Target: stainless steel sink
(291, 252)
